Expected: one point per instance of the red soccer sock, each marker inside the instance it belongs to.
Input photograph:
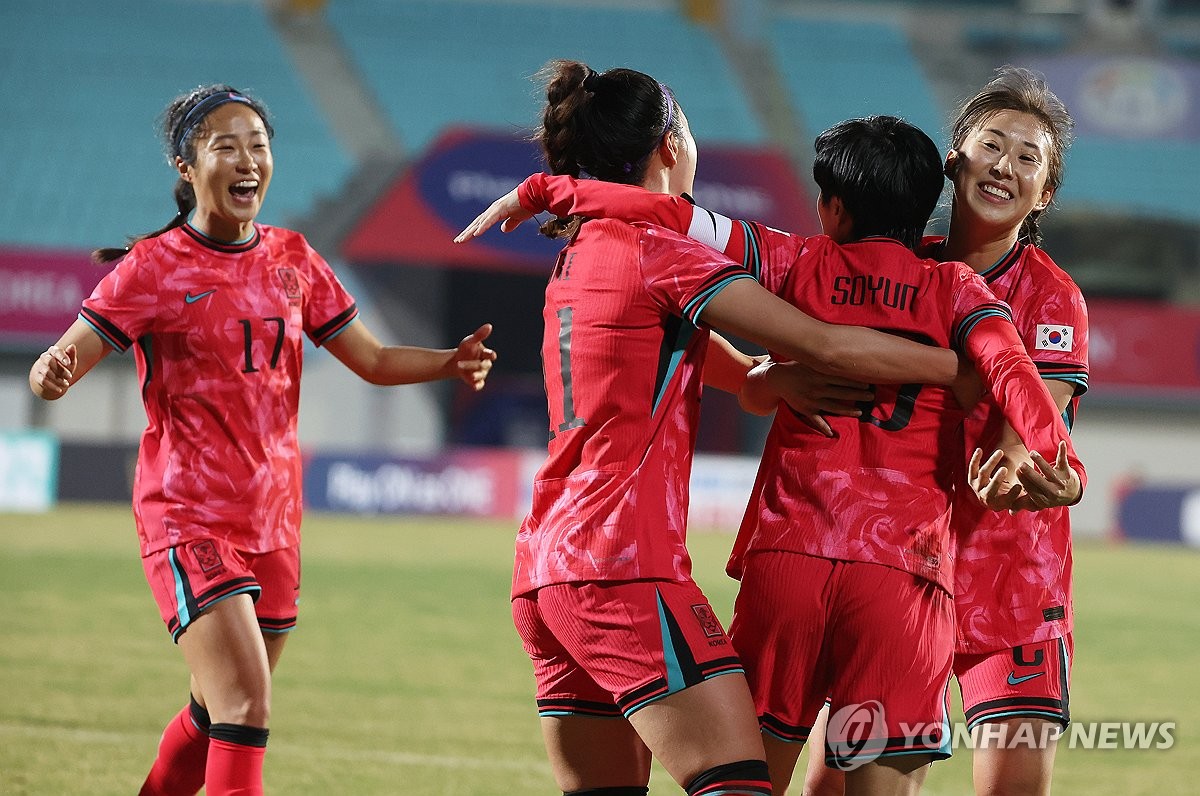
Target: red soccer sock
(235, 760)
(182, 754)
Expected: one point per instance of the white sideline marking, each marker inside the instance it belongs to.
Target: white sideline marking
(87, 736)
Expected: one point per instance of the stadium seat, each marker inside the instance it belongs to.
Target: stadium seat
(83, 85)
(434, 64)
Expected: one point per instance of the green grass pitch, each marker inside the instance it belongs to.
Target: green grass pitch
(405, 675)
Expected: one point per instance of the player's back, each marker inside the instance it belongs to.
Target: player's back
(622, 355)
(880, 490)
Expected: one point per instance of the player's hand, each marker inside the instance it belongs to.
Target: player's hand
(51, 374)
(992, 483)
(506, 209)
(809, 393)
(1048, 485)
(473, 360)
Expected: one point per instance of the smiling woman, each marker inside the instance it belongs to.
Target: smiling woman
(216, 308)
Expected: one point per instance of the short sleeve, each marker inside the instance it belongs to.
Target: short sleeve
(683, 275)
(328, 308)
(124, 304)
(1053, 324)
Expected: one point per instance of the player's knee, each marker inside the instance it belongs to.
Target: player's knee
(629, 790)
(744, 778)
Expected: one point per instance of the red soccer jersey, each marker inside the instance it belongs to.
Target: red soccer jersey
(216, 331)
(881, 490)
(1012, 583)
(622, 356)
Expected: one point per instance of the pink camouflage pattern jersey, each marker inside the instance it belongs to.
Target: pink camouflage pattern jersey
(217, 331)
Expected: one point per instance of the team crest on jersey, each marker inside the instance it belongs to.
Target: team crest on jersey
(708, 620)
(207, 557)
(1055, 337)
(291, 284)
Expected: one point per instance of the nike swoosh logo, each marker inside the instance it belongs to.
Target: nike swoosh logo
(1014, 680)
(190, 299)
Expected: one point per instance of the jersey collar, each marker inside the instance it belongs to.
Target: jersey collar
(221, 246)
(1001, 266)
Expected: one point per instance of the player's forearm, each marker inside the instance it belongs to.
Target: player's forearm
(868, 355)
(410, 365)
(1012, 378)
(746, 309)
(725, 367)
(566, 196)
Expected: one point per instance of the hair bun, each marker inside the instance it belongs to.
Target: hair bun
(591, 81)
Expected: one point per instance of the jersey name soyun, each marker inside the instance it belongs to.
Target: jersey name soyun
(216, 332)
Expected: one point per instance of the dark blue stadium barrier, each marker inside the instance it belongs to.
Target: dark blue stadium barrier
(97, 471)
(1160, 514)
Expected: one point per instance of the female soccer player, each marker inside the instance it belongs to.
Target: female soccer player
(1013, 577)
(1012, 585)
(215, 307)
(628, 656)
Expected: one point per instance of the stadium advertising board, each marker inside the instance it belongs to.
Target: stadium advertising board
(41, 291)
(469, 483)
(1142, 349)
(465, 170)
(1160, 514)
(1127, 97)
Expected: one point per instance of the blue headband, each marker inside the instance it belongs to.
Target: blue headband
(670, 108)
(202, 109)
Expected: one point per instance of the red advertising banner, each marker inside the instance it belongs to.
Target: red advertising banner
(40, 293)
(465, 170)
(1144, 349)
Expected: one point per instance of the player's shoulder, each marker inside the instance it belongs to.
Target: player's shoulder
(1040, 267)
(281, 236)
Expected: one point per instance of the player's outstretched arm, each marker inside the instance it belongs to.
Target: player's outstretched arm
(746, 309)
(358, 349)
(565, 196)
(66, 362)
(507, 210)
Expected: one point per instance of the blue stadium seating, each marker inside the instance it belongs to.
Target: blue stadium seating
(432, 63)
(83, 84)
(836, 70)
(1155, 179)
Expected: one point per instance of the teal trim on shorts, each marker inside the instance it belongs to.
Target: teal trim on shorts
(675, 681)
(181, 608)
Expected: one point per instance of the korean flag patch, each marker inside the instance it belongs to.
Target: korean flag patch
(1054, 337)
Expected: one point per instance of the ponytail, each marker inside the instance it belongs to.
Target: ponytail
(185, 201)
(602, 125)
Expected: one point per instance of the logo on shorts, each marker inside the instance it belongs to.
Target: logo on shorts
(856, 734)
(207, 557)
(1014, 680)
(708, 621)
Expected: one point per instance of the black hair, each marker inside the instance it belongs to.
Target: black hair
(604, 125)
(179, 127)
(887, 173)
(1025, 91)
